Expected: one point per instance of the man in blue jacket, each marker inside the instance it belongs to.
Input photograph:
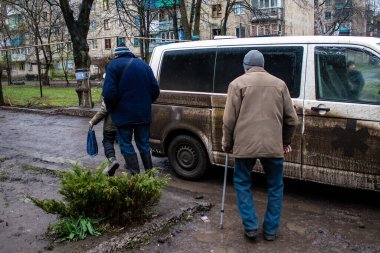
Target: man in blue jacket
(129, 90)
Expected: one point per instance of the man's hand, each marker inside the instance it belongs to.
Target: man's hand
(287, 149)
(226, 149)
(90, 124)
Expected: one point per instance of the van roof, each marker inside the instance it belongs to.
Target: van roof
(364, 41)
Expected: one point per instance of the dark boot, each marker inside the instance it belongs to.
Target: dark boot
(132, 164)
(146, 159)
(111, 167)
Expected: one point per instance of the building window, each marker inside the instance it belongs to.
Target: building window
(70, 64)
(92, 25)
(136, 42)
(106, 5)
(216, 10)
(30, 67)
(106, 24)
(238, 8)
(328, 2)
(107, 43)
(216, 32)
(267, 4)
(120, 41)
(94, 44)
(327, 15)
(240, 32)
(119, 4)
(22, 66)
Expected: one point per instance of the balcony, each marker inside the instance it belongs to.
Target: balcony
(18, 57)
(342, 5)
(165, 25)
(268, 14)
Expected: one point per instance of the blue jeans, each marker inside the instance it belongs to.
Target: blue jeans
(141, 133)
(273, 168)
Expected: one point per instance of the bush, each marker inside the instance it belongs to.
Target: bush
(117, 200)
(31, 77)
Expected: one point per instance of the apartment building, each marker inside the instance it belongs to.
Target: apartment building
(343, 17)
(115, 22)
(282, 18)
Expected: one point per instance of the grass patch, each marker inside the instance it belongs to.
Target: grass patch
(41, 170)
(3, 159)
(2, 172)
(29, 96)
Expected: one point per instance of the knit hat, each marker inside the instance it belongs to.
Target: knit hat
(121, 49)
(253, 58)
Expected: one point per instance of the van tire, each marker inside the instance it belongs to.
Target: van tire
(187, 157)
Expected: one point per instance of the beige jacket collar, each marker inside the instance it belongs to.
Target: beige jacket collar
(256, 69)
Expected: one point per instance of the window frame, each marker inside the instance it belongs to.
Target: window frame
(316, 65)
(216, 11)
(105, 44)
(106, 24)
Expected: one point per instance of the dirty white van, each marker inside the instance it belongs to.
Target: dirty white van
(337, 140)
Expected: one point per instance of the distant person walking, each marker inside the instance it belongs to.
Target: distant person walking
(109, 137)
(129, 90)
(258, 123)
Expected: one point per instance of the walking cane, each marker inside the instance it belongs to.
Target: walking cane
(224, 192)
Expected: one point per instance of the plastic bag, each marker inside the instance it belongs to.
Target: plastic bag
(92, 145)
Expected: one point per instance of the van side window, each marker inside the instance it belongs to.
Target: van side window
(347, 74)
(282, 62)
(188, 70)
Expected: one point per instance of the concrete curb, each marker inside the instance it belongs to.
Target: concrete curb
(138, 235)
(69, 111)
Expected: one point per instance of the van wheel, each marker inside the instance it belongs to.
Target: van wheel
(187, 157)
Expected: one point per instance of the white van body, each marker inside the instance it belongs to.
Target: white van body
(337, 141)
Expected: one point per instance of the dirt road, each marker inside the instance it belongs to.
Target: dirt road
(315, 218)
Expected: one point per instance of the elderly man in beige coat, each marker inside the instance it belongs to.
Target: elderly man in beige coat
(258, 123)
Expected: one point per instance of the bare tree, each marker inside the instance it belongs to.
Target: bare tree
(137, 15)
(42, 21)
(6, 36)
(77, 18)
(340, 15)
(190, 22)
(229, 7)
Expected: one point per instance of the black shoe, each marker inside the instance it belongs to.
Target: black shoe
(111, 167)
(251, 234)
(269, 237)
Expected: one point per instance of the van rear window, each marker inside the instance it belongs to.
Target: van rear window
(188, 70)
(282, 62)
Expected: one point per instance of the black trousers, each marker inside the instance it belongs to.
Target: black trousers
(108, 141)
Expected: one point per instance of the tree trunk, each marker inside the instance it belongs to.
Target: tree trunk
(82, 64)
(1, 87)
(78, 30)
(226, 15)
(175, 21)
(184, 20)
(197, 17)
(8, 68)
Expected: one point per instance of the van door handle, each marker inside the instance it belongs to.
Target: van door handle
(321, 109)
(317, 109)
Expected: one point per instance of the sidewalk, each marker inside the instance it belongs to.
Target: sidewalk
(315, 218)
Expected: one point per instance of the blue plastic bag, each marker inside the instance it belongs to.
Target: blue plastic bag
(92, 145)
